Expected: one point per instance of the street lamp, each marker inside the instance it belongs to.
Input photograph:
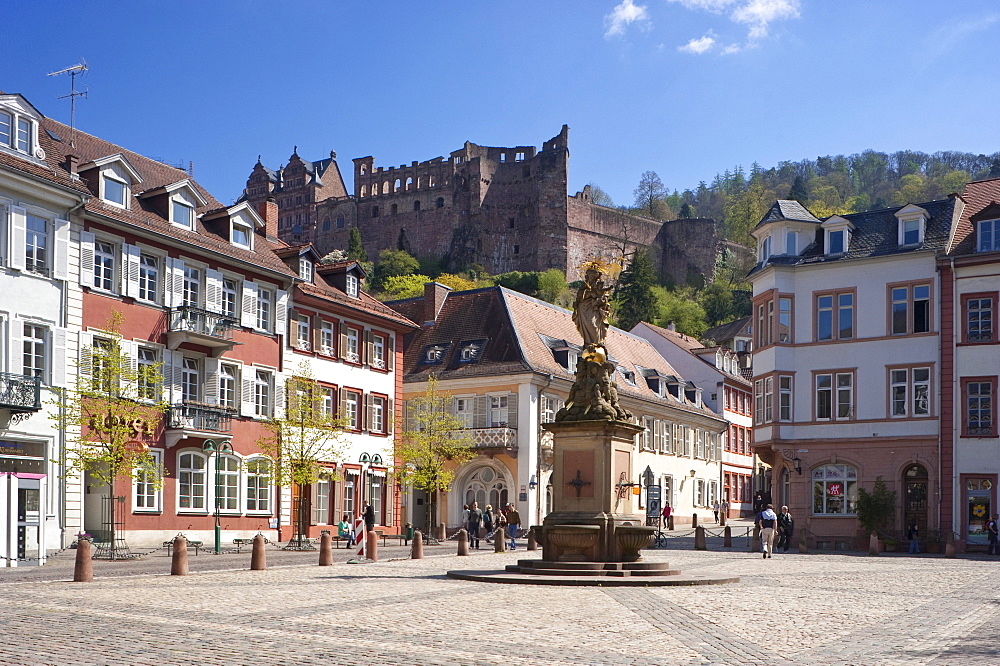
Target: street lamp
(210, 446)
(797, 462)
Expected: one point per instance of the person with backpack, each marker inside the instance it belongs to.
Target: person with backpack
(768, 520)
(488, 523)
(475, 518)
(912, 534)
(992, 530)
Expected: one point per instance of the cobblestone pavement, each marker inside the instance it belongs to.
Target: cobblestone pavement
(792, 609)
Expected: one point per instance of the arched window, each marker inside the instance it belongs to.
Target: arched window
(835, 489)
(486, 487)
(440, 202)
(416, 205)
(409, 183)
(385, 187)
(395, 187)
(362, 193)
(191, 481)
(364, 169)
(340, 221)
(227, 487)
(259, 485)
(326, 224)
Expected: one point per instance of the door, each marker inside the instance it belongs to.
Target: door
(978, 509)
(915, 485)
(29, 520)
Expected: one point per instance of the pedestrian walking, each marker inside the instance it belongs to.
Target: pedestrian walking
(667, 510)
(785, 527)
(715, 509)
(475, 519)
(992, 531)
(513, 522)
(488, 523)
(725, 508)
(465, 515)
(912, 535)
(767, 520)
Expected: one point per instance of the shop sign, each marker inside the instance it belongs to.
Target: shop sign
(835, 489)
(141, 427)
(22, 449)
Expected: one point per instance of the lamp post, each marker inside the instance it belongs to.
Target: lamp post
(211, 447)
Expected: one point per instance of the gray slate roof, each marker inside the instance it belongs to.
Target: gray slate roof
(787, 209)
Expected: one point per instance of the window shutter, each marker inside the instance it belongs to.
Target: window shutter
(248, 316)
(279, 398)
(369, 350)
(342, 346)
(130, 361)
(409, 423)
(342, 407)
(390, 352)
(84, 368)
(246, 394)
(17, 246)
(175, 282)
(213, 290)
(60, 256)
(482, 407)
(58, 357)
(388, 507)
(176, 377)
(86, 259)
(369, 407)
(211, 381)
(390, 417)
(15, 354)
(281, 313)
(313, 507)
(130, 270)
(317, 333)
(292, 401)
(512, 411)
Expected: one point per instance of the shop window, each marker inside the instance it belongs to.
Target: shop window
(835, 489)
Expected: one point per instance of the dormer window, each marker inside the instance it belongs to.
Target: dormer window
(352, 285)
(988, 233)
(113, 190)
(910, 232)
(241, 235)
(182, 213)
(305, 269)
(765, 249)
(791, 243)
(15, 132)
(835, 241)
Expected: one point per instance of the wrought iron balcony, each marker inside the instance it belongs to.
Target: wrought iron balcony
(200, 418)
(20, 393)
(209, 329)
(501, 438)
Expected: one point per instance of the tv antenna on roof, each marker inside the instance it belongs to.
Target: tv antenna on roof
(73, 94)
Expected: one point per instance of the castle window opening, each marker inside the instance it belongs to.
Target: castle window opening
(440, 202)
(374, 211)
(362, 190)
(326, 224)
(385, 187)
(517, 249)
(416, 205)
(395, 187)
(519, 157)
(458, 159)
(511, 223)
(394, 208)
(409, 183)
(363, 170)
(298, 201)
(340, 221)
(503, 157)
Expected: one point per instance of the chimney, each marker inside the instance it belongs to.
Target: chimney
(268, 210)
(434, 297)
(72, 162)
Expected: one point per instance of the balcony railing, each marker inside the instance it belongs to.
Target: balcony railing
(187, 319)
(20, 393)
(494, 438)
(203, 418)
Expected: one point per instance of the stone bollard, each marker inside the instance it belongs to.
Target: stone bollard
(326, 550)
(670, 522)
(532, 539)
(258, 559)
(727, 537)
(442, 532)
(463, 542)
(694, 520)
(873, 544)
(371, 546)
(417, 547)
(949, 544)
(755, 546)
(499, 542)
(83, 570)
(722, 518)
(179, 557)
(699, 539)
(803, 542)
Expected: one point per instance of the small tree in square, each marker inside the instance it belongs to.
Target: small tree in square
(299, 441)
(115, 404)
(876, 509)
(433, 446)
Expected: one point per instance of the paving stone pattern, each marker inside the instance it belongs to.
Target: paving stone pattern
(792, 609)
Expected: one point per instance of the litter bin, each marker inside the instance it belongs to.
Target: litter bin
(408, 533)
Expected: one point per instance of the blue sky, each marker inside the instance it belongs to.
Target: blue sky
(686, 88)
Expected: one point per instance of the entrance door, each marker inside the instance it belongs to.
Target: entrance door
(915, 484)
(979, 509)
(29, 520)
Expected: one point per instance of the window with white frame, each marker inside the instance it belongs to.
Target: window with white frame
(836, 241)
(352, 285)
(191, 490)
(229, 382)
(303, 337)
(101, 365)
(241, 235)
(835, 489)
(147, 374)
(182, 213)
(36, 247)
(988, 235)
(149, 277)
(834, 396)
(263, 309)
(326, 338)
(764, 252)
(352, 351)
(375, 493)
(550, 405)
(227, 483)
(465, 411)
(262, 390)
(104, 266)
(350, 482)
(305, 269)
(909, 391)
(352, 400)
(768, 399)
(321, 502)
(146, 488)
(648, 433)
(909, 232)
(190, 379)
(378, 414)
(258, 475)
(784, 397)
(498, 411)
(230, 297)
(115, 190)
(699, 492)
(34, 352)
(16, 132)
(326, 402)
(192, 287)
(378, 351)
(667, 428)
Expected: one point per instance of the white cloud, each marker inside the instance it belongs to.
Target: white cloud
(759, 14)
(714, 6)
(731, 49)
(955, 33)
(624, 14)
(700, 45)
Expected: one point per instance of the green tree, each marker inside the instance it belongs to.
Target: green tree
(876, 509)
(114, 404)
(649, 196)
(301, 440)
(355, 248)
(634, 299)
(717, 301)
(399, 287)
(434, 445)
(680, 308)
(551, 285)
(799, 192)
(457, 282)
(687, 211)
(392, 263)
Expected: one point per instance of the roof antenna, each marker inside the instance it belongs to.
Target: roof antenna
(73, 94)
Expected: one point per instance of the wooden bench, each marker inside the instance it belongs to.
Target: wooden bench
(197, 545)
(241, 543)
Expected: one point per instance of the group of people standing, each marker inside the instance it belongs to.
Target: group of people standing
(506, 521)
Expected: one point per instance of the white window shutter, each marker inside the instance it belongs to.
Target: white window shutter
(211, 381)
(58, 357)
(60, 255)
(84, 369)
(512, 410)
(130, 350)
(177, 286)
(278, 388)
(246, 394)
(368, 349)
(248, 315)
(15, 354)
(17, 243)
(86, 259)
(281, 313)
(130, 270)
(390, 417)
(213, 290)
